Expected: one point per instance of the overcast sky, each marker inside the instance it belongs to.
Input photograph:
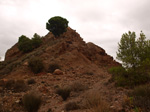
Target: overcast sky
(99, 21)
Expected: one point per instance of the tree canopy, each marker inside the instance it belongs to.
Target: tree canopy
(57, 25)
(26, 44)
(133, 52)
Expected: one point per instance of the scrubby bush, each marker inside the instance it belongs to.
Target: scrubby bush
(71, 106)
(20, 86)
(25, 44)
(77, 86)
(31, 81)
(57, 25)
(64, 92)
(141, 97)
(36, 40)
(15, 86)
(31, 102)
(9, 84)
(53, 67)
(36, 65)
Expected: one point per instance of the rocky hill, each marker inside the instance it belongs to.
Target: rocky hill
(83, 66)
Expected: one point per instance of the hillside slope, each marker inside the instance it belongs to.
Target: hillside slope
(81, 63)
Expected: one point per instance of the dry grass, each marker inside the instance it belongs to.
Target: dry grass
(78, 86)
(95, 103)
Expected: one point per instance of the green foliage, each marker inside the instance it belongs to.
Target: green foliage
(36, 65)
(36, 41)
(53, 67)
(25, 44)
(57, 25)
(128, 78)
(141, 97)
(133, 52)
(64, 92)
(32, 102)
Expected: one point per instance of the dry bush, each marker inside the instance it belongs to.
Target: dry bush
(53, 67)
(20, 86)
(15, 86)
(36, 65)
(95, 103)
(64, 92)
(71, 106)
(31, 81)
(9, 84)
(31, 102)
(77, 86)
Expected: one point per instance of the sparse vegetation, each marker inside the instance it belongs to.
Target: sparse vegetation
(15, 86)
(77, 86)
(95, 103)
(72, 106)
(36, 65)
(64, 92)
(32, 102)
(31, 81)
(9, 84)
(20, 86)
(57, 25)
(53, 67)
(141, 97)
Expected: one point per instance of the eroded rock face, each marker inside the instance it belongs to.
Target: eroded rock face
(69, 42)
(13, 52)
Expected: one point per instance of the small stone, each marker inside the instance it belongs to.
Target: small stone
(58, 72)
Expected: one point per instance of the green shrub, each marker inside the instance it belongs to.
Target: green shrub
(36, 65)
(36, 40)
(25, 44)
(57, 25)
(31, 102)
(64, 92)
(71, 106)
(53, 67)
(141, 97)
(128, 78)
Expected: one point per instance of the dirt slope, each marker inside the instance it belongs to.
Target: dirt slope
(82, 63)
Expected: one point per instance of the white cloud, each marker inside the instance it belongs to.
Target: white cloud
(100, 21)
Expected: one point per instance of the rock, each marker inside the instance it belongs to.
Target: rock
(49, 74)
(58, 72)
(26, 64)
